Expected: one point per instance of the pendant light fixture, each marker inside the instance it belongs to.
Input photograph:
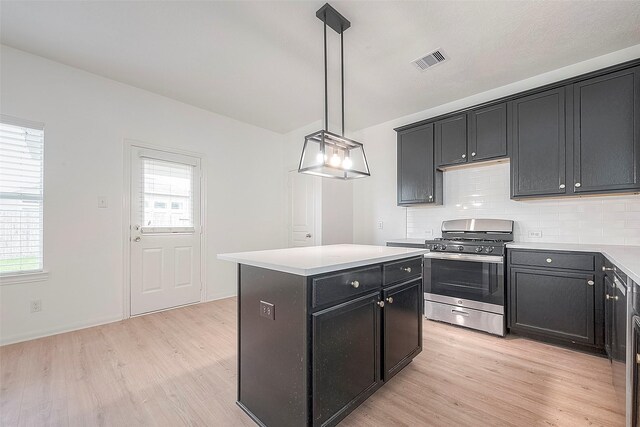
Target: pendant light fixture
(325, 153)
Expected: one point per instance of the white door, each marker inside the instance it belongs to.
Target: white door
(303, 204)
(165, 230)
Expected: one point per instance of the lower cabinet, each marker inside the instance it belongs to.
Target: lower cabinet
(346, 357)
(554, 304)
(402, 319)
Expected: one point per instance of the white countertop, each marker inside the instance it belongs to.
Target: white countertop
(407, 241)
(314, 260)
(626, 258)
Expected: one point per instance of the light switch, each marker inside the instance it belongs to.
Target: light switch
(380, 225)
(102, 202)
(535, 234)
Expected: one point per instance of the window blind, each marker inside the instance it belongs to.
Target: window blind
(21, 196)
(167, 197)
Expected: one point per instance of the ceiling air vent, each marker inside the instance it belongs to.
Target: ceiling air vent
(434, 58)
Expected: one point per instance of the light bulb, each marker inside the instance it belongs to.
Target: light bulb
(319, 158)
(335, 160)
(347, 163)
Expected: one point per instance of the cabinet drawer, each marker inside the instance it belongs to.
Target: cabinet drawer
(338, 287)
(566, 260)
(402, 270)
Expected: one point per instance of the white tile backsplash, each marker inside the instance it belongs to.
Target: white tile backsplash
(482, 191)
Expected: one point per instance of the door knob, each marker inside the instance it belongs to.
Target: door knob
(136, 239)
(562, 186)
(473, 154)
(549, 260)
(355, 284)
(577, 185)
(390, 300)
(407, 269)
(464, 156)
(607, 296)
(590, 282)
(380, 303)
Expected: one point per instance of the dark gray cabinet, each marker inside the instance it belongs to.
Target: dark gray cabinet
(451, 141)
(487, 133)
(553, 303)
(402, 319)
(538, 144)
(606, 133)
(346, 357)
(418, 179)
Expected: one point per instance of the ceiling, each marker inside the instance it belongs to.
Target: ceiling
(261, 61)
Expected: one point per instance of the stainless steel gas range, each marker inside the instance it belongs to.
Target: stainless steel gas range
(464, 274)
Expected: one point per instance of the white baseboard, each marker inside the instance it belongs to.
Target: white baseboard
(59, 330)
(218, 296)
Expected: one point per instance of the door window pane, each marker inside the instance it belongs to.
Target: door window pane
(165, 186)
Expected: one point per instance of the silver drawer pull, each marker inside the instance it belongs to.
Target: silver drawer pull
(355, 284)
(590, 282)
(389, 300)
(549, 260)
(380, 303)
(463, 313)
(607, 296)
(407, 269)
(562, 186)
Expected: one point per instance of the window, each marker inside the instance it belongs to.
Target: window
(167, 184)
(21, 196)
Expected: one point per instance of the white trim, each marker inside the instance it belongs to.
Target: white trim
(15, 121)
(59, 330)
(27, 277)
(129, 145)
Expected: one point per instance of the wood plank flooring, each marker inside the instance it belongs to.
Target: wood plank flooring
(179, 368)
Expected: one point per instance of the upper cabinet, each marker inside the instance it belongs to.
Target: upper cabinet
(606, 133)
(451, 141)
(487, 133)
(418, 179)
(538, 144)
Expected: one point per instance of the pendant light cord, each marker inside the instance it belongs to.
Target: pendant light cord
(326, 93)
(342, 75)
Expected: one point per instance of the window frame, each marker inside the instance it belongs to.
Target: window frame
(41, 274)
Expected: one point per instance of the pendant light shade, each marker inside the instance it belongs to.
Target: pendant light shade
(325, 153)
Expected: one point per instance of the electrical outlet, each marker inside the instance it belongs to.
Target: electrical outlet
(36, 305)
(428, 233)
(267, 310)
(535, 234)
(380, 225)
(102, 202)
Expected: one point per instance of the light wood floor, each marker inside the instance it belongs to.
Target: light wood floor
(179, 368)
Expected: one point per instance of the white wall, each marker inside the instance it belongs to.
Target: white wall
(87, 118)
(375, 197)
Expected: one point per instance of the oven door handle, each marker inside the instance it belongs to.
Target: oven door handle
(492, 259)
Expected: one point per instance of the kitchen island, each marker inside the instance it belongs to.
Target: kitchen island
(322, 328)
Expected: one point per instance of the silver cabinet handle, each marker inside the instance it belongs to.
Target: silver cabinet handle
(615, 297)
(607, 269)
(473, 154)
(136, 239)
(380, 303)
(590, 282)
(464, 156)
(463, 313)
(562, 186)
(407, 269)
(577, 185)
(607, 296)
(355, 284)
(549, 260)
(390, 300)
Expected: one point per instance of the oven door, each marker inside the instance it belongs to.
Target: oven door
(477, 278)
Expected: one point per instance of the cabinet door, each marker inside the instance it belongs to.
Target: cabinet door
(556, 304)
(416, 168)
(538, 141)
(606, 136)
(451, 141)
(488, 133)
(402, 330)
(609, 291)
(346, 357)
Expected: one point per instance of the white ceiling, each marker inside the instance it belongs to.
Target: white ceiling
(261, 62)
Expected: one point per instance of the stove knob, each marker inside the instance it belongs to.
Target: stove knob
(480, 249)
(489, 249)
(461, 248)
(435, 247)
